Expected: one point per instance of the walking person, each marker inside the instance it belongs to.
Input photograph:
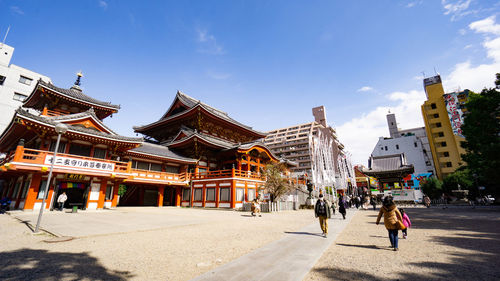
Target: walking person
(427, 201)
(392, 220)
(342, 206)
(61, 199)
(322, 211)
(373, 202)
(406, 222)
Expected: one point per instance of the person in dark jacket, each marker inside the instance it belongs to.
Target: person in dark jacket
(342, 206)
(322, 211)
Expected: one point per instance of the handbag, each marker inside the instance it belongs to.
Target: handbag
(400, 225)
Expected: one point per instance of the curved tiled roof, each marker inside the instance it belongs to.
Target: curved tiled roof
(88, 113)
(160, 151)
(50, 121)
(76, 95)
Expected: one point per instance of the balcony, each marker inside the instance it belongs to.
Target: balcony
(155, 176)
(229, 173)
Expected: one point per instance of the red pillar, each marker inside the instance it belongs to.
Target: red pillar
(161, 190)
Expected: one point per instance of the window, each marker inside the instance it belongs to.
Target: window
(25, 80)
(448, 164)
(2, 79)
(41, 190)
(198, 192)
(415, 144)
(440, 134)
(381, 148)
(210, 196)
(438, 124)
(428, 163)
(397, 146)
(251, 194)
(155, 167)
(186, 194)
(109, 192)
(61, 149)
(385, 148)
(436, 115)
(16, 190)
(443, 143)
(19, 97)
(99, 153)
(433, 105)
(446, 154)
(78, 149)
(224, 194)
(142, 165)
(240, 194)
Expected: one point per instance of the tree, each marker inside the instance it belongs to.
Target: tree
(276, 184)
(460, 179)
(432, 187)
(481, 129)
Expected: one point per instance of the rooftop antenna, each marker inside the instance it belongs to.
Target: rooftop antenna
(5, 37)
(423, 74)
(435, 71)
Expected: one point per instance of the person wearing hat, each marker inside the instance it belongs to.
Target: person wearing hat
(322, 211)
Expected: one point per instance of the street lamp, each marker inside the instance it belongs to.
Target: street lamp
(60, 130)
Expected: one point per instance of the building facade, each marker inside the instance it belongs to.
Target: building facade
(195, 155)
(443, 117)
(16, 84)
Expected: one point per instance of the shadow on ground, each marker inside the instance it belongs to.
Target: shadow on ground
(304, 233)
(474, 230)
(28, 264)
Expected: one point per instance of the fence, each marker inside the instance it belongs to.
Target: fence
(269, 207)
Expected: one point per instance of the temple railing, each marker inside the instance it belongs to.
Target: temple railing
(138, 174)
(229, 173)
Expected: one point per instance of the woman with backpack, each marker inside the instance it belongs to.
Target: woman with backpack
(392, 220)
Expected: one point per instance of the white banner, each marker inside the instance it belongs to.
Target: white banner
(80, 163)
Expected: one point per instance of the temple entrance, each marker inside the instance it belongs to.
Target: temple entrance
(139, 195)
(76, 192)
(169, 196)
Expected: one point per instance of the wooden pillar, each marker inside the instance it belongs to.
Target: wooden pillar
(233, 194)
(161, 190)
(141, 196)
(102, 193)
(178, 194)
(116, 187)
(217, 192)
(18, 156)
(33, 191)
(239, 165)
(204, 190)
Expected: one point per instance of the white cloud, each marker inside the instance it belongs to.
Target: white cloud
(456, 9)
(468, 46)
(462, 31)
(413, 4)
(103, 4)
(17, 10)
(207, 43)
(487, 25)
(365, 89)
(361, 134)
(218, 75)
(466, 76)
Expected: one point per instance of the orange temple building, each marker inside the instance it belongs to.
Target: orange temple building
(195, 155)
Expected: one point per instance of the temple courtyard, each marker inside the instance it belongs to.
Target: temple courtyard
(181, 244)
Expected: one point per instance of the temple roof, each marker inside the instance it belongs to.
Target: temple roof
(388, 164)
(82, 115)
(191, 104)
(156, 150)
(52, 121)
(192, 134)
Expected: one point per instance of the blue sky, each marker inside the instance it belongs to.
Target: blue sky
(266, 63)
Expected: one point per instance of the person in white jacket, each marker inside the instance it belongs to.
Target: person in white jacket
(61, 199)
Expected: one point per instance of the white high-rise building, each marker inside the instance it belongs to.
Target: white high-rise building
(16, 84)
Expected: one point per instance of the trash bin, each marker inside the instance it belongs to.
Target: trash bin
(75, 209)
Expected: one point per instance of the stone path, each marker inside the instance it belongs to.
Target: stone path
(289, 258)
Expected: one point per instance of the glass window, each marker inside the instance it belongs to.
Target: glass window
(2, 79)
(41, 190)
(155, 167)
(441, 134)
(25, 188)
(415, 144)
(142, 165)
(198, 194)
(99, 153)
(433, 105)
(186, 192)
(251, 194)
(61, 149)
(109, 192)
(78, 149)
(224, 194)
(25, 80)
(448, 164)
(19, 97)
(210, 194)
(446, 154)
(172, 169)
(443, 143)
(240, 194)
(436, 115)
(386, 148)
(438, 124)
(16, 190)
(397, 146)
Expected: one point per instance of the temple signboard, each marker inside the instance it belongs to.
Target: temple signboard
(71, 162)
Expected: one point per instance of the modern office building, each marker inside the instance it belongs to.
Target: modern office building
(316, 149)
(443, 117)
(16, 84)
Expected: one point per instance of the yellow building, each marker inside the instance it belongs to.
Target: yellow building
(443, 117)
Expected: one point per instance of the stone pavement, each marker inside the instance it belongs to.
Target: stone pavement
(289, 258)
(104, 222)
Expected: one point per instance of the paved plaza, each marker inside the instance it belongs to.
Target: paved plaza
(182, 244)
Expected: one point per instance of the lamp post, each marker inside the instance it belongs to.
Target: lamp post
(60, 130)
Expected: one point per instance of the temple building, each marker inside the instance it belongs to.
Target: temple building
(230, 159)
(194, 155)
